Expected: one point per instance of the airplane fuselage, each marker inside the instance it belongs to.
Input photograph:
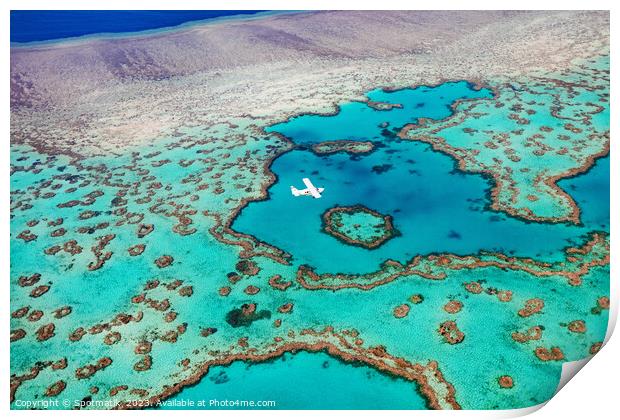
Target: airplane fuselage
(297, 192)
(311, 190)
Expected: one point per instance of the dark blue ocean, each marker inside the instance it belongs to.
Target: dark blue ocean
(44, 25)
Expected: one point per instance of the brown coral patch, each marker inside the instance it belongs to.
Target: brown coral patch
(531, 307)
(603, 302)
(504, 295)
(450, 332)
(98, 250)
(143, 347)
(35, 315)
(277, 283)
(546, 355)
(136, 250)
(143, 364)
(416, 299)
(39, 291)
(206, 332)
(62, 312)
(45, 332)
(532, 333)
(596, 347)
(18, 380)
(170, 337)
(55, 389)
(17, 334)
(144, 229)
(112, 338)
(138, 298)
(173, 285)
(577, 326)
(347, 146)
(27, 281)
(142, 393)
(286, 308)
(453, 306)
(233, 277)
(58, 232)
(77, 334)
(505, 381)
(89, 370)
(92, 229)
(401, 311)
(87, 214)
(170, 316)
(151, 284)
(27, 236)
(164, 261)
(60, 364)
(251, 290)
(116, 389)
(53, 250)
(332, 225)
(71, 247)
(390, 271)
(247, 267)
(186, 291)
(56, 222)
(21, 312)
(473, 287)
(159, 305)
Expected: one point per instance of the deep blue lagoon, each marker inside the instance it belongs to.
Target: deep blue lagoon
(436, 207)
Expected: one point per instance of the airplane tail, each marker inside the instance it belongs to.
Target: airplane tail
(295, 191)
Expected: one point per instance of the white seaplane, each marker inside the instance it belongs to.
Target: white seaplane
(310, 190)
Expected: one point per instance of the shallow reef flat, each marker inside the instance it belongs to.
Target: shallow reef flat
(155, 244)
(106, 94)
(359, 226)
(116, 268)
(337, 146)
(535, 132)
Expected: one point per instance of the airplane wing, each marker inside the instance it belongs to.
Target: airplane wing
(311, 188)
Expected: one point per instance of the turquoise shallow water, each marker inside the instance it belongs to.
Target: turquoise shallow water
(340, 387)
(435, 207)
(312, 380)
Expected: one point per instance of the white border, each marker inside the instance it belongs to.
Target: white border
(592, 394)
